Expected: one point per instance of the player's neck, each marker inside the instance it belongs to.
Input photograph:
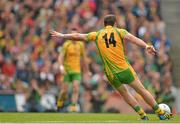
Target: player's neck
(74, 42)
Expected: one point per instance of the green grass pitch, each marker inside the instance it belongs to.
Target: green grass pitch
(78, 118)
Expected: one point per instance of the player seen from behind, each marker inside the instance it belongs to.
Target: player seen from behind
(110, 43)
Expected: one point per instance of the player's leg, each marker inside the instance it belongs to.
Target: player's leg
(74, 107)
(63, 92)
(137, 85)
(76, 77)
(75, 94)
(114, 80)
(131, 101)
(62, 95)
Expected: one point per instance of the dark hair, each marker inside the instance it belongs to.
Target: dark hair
(109, 20)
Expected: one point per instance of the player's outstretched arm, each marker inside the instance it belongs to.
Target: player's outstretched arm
(150, 49)
(73, 36)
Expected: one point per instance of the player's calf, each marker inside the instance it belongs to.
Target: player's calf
(60, 100)
(132, 101)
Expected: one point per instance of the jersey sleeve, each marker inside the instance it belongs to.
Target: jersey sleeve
(91, 36)
(123, 32)
(64, 47)
(82, 47)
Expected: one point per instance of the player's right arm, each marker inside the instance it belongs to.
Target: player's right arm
(60, 61)
(61, 58)
(75, 36)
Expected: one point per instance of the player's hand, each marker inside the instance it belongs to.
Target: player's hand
(62, 70)
(150, 49)
(56, 34)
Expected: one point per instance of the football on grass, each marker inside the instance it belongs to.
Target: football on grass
(165, 107)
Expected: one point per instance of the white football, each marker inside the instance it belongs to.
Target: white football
(165, 108)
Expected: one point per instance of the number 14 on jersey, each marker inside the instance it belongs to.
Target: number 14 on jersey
(109, 41)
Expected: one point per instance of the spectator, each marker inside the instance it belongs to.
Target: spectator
(8, 68)
(34, 96)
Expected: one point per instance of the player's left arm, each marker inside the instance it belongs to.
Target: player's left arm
(133, 39)
(73, 36)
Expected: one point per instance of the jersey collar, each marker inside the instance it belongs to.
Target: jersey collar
(109, 26)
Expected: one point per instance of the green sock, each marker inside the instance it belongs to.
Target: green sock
(140, 111)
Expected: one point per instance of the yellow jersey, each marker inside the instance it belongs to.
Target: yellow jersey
(72, 56)
(110, 44)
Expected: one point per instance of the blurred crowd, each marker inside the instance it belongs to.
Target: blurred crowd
(28, 54)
